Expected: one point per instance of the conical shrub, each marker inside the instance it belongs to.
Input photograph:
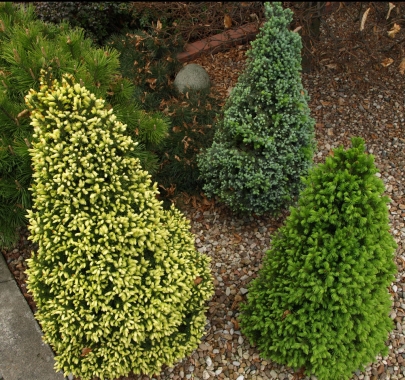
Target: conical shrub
(264, 141)
(28, 45)
(117, 281)
(320, 301)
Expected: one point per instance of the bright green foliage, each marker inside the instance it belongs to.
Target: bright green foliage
(117, 280)
(321, 300)
(264, 143)
(28, 45)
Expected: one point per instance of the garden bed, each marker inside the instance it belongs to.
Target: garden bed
(347, 99)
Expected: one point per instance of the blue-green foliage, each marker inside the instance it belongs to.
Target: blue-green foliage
(321, 300)
(264, 142)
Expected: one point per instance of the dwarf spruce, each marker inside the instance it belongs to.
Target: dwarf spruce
(264, 141)
(118, 283)
(321, 300)
(28, 45)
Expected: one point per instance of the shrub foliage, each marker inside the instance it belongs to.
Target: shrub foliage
(117, 280)
(150, 62)
(264, 142)
(321, 300)
(98, 19)
(28, 45)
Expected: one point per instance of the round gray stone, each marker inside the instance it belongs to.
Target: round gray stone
(192, 76)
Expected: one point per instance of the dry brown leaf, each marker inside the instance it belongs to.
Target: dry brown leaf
(387, 61)
(186, 141)
(23, 113)
(227, 21)
(297, 29)
(235, 323)
(391, 7)
(139, 39)
(151, 80)
(158, 25)
(177, 157)
(152, 83)
(401, 66)
(395, 29)
(85, 351)
(238, 238)
(285, 314)
(198, 280)
(206, 202)
(194, 203)
(331, 66)
(176, 129)
(363, 19)
(186, 198)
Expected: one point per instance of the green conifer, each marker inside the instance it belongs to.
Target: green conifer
(264, 142)
(117, 280)
(321, 300)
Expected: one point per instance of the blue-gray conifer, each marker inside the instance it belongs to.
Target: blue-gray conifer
(264, 142)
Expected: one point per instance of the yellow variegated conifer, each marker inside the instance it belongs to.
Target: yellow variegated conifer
(118, 283)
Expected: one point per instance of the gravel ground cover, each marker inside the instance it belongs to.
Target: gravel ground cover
(347, 99)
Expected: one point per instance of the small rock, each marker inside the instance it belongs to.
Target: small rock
(218, 371)
(206, 375)
(204, 346)
(241, 377)
(243, 290)
(192, 76)
(273, 374)
(208, 360)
